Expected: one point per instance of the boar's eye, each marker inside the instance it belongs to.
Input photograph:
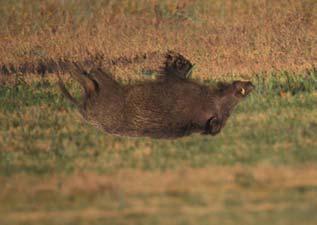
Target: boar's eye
(242, 91)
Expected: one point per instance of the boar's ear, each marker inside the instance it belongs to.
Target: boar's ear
(222, 86)
(237, 83)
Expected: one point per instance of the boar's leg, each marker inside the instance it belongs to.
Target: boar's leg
(176, 65)
(213, 126)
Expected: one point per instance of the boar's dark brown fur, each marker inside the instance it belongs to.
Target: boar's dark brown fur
(177, 65)
(165, 108)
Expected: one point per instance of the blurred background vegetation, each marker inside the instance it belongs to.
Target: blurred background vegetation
(221, 37)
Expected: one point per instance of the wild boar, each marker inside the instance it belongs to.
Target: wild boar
(169, 107)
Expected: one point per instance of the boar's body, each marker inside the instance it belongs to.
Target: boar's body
(169, 107)
(161, 109)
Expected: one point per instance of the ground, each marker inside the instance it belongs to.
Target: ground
(56, 169)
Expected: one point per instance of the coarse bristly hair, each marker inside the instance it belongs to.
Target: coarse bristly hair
(165, 108)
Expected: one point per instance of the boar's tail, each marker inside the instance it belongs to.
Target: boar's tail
(83, 77)
(66, 92)
(91, 81)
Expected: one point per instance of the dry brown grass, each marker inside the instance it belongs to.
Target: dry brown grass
(140, 181)
(221, 37)
(260, 189)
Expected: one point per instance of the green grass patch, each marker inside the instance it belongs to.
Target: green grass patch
(54, 165)
(41, 132)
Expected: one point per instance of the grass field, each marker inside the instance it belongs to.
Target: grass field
(220, 37)
(261, 169)
(55, 169)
